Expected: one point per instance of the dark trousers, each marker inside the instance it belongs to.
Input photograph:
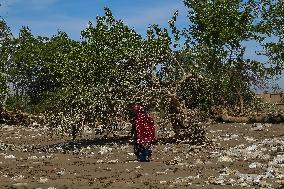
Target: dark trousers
(142, 152)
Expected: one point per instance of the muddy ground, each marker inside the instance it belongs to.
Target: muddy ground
(245, 155)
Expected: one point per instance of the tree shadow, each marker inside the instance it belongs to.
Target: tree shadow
(81, 146)
(76, 145)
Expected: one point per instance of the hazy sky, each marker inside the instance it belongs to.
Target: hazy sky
(46, 17)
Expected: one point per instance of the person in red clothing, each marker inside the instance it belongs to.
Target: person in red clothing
(143, 133)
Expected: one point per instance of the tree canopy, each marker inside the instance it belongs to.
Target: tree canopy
(174, 71)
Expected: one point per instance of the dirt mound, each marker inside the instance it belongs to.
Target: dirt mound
(14, 118)
(262, 118)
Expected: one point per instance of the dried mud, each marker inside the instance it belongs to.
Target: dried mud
(244, 155)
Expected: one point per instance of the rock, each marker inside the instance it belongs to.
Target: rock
(257, 127)
(113, 161)
(104, 150)
(199, 161)
(226, 171)
(20, 185)
(43, 180)
(244, 184)
(161, 173)
(225, 159)
(250, 139)
(62, 172)
(186, 180)
(255, 165)
(100, 161)
(218, 181)
(10, 157)
(18, 177)
(278, 160)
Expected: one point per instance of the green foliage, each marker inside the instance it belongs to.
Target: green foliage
(216, 34)
(36, 67)
(96, 80)
(96, 73)
(5, 52)
(272, 24)
(220, 22)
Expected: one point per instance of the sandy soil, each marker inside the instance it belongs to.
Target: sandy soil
(245, 155)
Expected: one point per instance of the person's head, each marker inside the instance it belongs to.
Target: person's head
(137, 109)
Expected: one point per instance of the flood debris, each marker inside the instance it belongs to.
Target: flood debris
(241, 158)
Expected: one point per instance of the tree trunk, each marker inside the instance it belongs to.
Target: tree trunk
(241, 102)
(183, 124)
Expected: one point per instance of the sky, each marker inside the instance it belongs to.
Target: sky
(47, 17)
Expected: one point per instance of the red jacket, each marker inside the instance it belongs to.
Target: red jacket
(144, 126)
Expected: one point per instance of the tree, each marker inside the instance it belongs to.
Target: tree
(181, 74)
(6, 40)
(48, 79)
(271, 25)
(96, 73)
(36, 66)
(114, 68)
(215, 38)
